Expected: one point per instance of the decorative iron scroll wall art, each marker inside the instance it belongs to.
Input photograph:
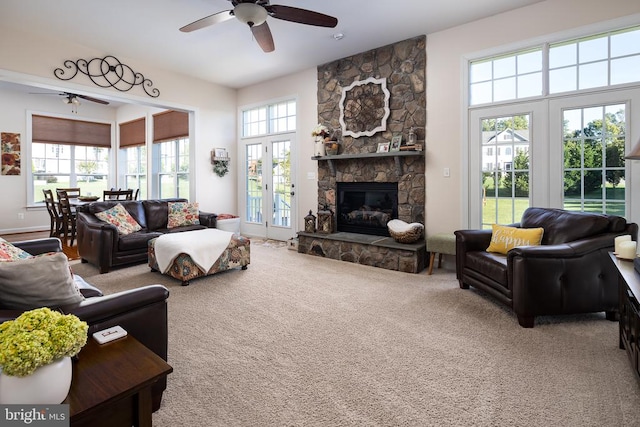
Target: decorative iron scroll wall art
(364, 107)
(107, 72)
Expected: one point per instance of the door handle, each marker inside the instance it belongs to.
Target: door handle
(293, 193)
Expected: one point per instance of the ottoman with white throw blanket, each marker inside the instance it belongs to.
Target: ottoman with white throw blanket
(191, 254)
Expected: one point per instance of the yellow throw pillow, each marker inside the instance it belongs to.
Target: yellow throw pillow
(505, 238)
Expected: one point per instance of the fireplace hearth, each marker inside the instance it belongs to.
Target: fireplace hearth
(366, 207)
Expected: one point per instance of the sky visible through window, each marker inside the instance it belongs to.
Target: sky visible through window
(601, 60)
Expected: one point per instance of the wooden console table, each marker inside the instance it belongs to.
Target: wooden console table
(111, 384)
(629, 290)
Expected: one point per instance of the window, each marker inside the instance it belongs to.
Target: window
(513, 76)
(587, 130)
(589, 62)
(133, 156)
(171, 155)
(596, 61)
(63, 166)
(69, 153)
(594, 150)
(270, 119)
(135, 175)
(505, 189)
(173, 170)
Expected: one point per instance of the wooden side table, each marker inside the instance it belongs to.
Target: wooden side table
(111, 384)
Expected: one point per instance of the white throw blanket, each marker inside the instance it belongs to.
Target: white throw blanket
(203, 246)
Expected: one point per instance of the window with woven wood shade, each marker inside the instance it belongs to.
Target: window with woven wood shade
(132, 133)
(55, 130)
(170, 125)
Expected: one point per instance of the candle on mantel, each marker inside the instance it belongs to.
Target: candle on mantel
(627, 250)
(619, 240)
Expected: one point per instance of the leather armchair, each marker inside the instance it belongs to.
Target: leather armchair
(142, 312)
(570, 272)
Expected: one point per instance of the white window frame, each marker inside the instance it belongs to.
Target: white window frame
(543, 194)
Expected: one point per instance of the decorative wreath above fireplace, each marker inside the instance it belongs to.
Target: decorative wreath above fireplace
(364, 107)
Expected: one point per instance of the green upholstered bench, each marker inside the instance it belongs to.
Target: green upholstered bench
(443, 243)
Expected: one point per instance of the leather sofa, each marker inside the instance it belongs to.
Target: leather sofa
(100, 244)
(570, 272)
(142, 312)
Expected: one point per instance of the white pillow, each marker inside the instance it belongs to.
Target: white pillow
(40, 281)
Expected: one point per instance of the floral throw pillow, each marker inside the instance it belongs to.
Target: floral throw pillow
(8, 252)
(120, 218)
(183, 213)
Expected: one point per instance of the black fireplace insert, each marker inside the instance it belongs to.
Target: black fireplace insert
(366, 207)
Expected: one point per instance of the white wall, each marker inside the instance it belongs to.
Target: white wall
(445, 51)
(31, 60)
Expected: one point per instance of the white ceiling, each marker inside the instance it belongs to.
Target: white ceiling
(225, 53)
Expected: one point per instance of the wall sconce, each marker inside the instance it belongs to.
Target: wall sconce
(220, 161)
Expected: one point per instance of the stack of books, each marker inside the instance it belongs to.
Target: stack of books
(414, 147)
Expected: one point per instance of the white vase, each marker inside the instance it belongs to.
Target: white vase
(319, 147)
(48, 385)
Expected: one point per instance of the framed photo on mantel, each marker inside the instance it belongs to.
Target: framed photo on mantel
(395, 143)
(383, 147)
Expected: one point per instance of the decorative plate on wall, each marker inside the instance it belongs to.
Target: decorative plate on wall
(364, 107)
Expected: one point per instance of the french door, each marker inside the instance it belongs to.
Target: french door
(269, 187)
(576, 157)
(507, 161)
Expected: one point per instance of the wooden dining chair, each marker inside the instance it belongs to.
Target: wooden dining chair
(135, 195)
(55, 229)
(72, 193)
(68, 217)
(117, 195)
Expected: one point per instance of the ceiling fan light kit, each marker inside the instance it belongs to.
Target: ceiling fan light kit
(251, 14)
(254, 13)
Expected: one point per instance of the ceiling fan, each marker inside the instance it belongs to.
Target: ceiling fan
(254, 13)
(73, 98)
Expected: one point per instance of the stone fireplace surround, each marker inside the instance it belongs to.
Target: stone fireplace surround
(378, 251)
(403, 64)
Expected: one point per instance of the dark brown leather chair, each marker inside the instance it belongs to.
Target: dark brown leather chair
(570, 272)
(142, 312)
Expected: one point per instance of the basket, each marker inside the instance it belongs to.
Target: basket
(403, 232)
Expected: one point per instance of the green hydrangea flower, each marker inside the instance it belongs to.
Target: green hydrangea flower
(37, 338)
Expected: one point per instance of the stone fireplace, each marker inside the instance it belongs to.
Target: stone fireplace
(384, 185)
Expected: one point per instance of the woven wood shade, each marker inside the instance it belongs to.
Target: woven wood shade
(132, 133)
(170, 125)
(54, 130)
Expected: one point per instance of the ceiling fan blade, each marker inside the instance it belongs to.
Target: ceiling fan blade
(262, 33)
(207, 21)
(89, 98)
(301, 16)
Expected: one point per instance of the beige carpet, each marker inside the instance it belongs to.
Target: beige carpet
(298, 340)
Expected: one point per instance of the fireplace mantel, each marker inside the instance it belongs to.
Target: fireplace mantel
(395, 154)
